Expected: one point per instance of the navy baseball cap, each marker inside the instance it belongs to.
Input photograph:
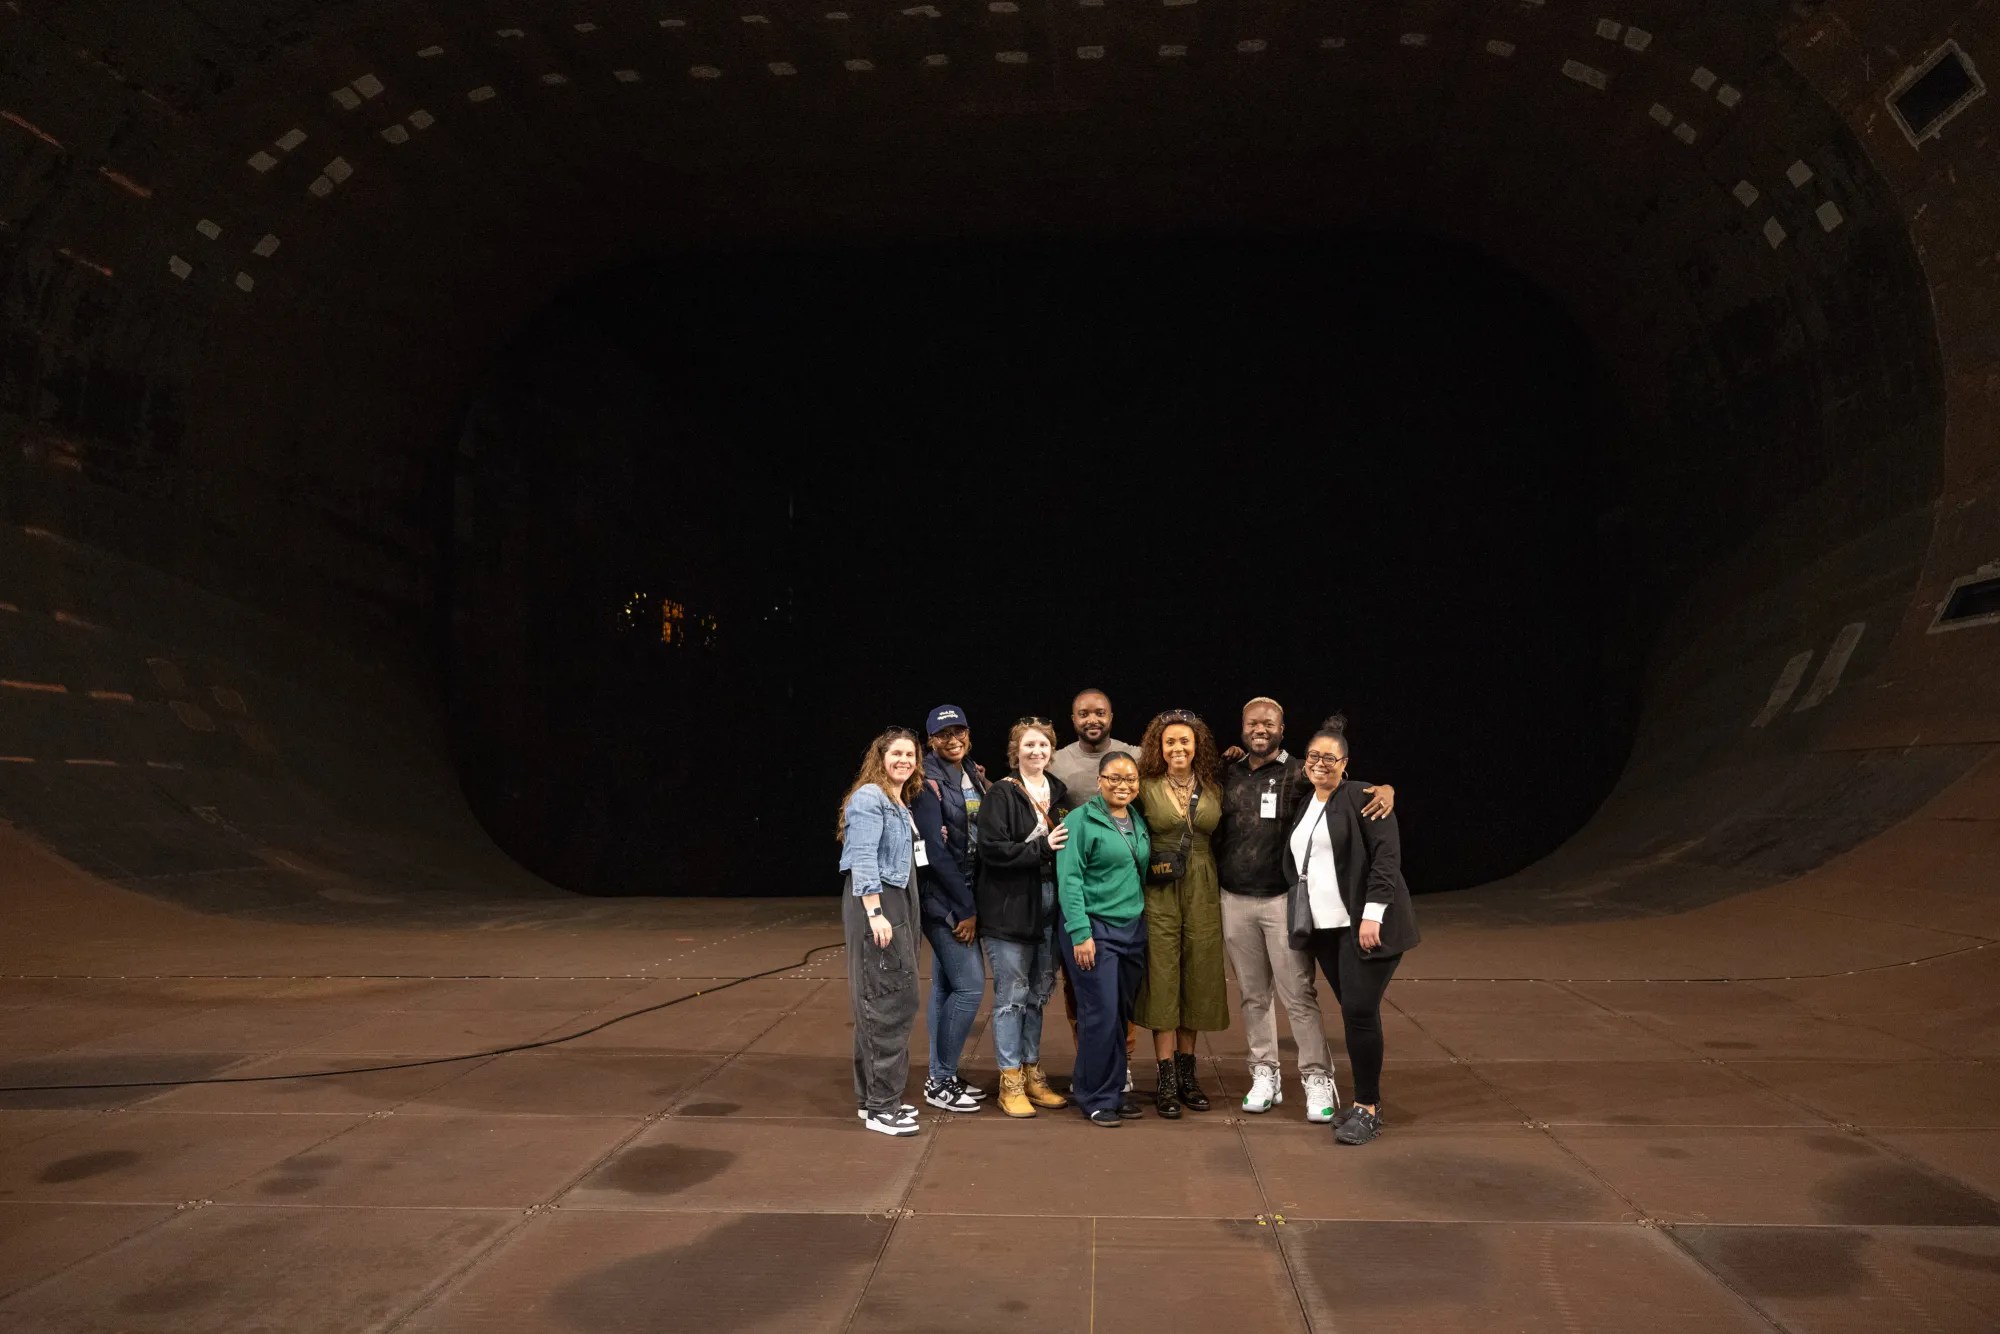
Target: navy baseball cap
(943, 716)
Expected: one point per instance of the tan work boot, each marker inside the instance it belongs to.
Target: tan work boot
(1039, 1092)
(1014, 1093)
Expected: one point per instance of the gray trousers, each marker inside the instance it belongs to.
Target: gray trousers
(882, 986)
(1253, 932)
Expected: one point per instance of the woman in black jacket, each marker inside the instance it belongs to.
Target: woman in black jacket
(1350, 872)
(1020, 828)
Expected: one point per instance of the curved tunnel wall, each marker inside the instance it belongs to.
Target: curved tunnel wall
(256, 260)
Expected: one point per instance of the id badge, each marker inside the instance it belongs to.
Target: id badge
(923, 858)
(1267, 806)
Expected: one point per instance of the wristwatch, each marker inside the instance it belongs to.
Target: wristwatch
(873, 912)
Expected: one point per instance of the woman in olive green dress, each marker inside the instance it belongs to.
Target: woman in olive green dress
(1184, 992)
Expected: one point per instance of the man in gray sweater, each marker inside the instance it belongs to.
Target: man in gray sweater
(1076, 763)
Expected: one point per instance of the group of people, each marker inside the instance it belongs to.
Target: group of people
(1128, 871)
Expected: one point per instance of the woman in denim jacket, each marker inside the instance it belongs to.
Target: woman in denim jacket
(880, 853)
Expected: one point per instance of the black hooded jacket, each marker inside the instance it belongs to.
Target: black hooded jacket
(1012, 863)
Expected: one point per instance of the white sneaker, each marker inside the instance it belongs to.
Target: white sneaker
(884, 1124)
(1265, 1091)
(950, 1095)
(1322, 1099)
(904, 1110)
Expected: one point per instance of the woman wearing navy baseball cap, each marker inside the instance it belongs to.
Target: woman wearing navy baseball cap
(947, 815)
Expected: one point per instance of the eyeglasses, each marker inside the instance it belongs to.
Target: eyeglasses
(1319, 759)
(1108, 781)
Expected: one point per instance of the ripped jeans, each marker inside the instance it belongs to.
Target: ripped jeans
(1023, 976)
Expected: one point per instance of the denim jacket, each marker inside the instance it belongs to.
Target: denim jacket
(879, 848)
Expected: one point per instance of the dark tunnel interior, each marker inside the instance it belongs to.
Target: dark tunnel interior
(599, 425)
(721, 516)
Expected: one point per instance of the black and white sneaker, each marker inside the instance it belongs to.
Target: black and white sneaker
(1358, 1127)
(883, 1123)
(950, 1095)
(972, 1091)
(904, 1110)
(1106, 1118)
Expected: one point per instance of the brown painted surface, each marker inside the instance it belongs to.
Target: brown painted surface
(1722, 1061)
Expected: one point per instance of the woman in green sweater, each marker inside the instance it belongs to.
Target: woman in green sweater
(1100, 887)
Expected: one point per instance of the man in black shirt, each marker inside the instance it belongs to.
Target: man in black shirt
(1262, 794)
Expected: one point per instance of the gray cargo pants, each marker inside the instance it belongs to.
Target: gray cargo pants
(882, 986)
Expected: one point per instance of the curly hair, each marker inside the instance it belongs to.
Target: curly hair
(875, 769)
(1207, 759)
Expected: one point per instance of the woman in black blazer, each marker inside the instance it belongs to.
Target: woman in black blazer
(1350, 871)
(1020, 831)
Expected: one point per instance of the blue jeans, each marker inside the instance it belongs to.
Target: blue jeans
(1106, 997)
(958, 980)
(1023, 976)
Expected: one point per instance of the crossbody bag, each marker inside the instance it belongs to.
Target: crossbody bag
(1169, 867)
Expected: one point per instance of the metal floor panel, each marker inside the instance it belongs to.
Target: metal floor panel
(1562, 1152)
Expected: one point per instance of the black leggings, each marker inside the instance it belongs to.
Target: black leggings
(1358, 981)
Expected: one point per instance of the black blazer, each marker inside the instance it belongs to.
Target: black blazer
(1008, 888)
(1369, 854)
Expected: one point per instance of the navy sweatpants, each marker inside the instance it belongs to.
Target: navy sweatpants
(1106, 996)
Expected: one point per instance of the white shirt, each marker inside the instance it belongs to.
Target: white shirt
(1329, 910)
(1038, 798)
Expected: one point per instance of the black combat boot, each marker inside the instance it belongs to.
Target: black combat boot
(1191, 1093)
(1168, 1101)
